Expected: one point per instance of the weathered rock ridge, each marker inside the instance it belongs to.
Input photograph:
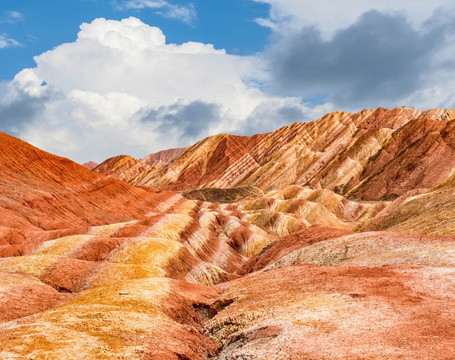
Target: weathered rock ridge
(372, 155)
(325, 240)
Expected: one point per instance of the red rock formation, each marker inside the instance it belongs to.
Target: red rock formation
(95, 268)
(41, 191)
(369, 155)
(123, 167)
(205, 162)
(289, 244)
(323, 312)
(163, 157)
(90, 165)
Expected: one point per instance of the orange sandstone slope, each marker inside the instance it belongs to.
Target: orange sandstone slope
(123, 167)
(202, 164)
(41, 191)
(371, 155)
(140, 290)
(170, 278)
(90, 165)
(133, 171)
(163, 157)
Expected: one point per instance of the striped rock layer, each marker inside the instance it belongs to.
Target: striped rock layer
(133, 171)
(327, 240)
(163, 157)
(371, 155)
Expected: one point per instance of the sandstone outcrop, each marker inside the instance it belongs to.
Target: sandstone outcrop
(371, 155)
(163, 157)
(90, 165)
(325, 240)
(123, 167)
(40, 191)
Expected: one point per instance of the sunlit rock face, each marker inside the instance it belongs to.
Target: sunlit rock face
(426, 213)
(371, 155)
(326, 312)
(325, 240)
(134, 171)
(122, 167)
(163, 157)
(41, 191)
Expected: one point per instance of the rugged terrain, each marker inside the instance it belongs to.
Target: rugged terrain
(325, 240)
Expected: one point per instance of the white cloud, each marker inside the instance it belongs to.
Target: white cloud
(6, 41)
(15, 16)
(120, 88)
(164, 8)
(11, 17)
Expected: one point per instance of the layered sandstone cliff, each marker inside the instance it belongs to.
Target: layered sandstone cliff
(371, 155)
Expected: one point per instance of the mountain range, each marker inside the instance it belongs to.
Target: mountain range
(332, 239)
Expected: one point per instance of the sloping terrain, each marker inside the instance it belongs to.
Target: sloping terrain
(324, 240)
(133, 171)
(90, 165)
(424, 213)
(163, 157)
(43, 196)
(229, 195)
(371, 155)
(123, 167)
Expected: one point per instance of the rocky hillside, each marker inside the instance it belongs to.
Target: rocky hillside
(372, 155)
(325, 240)
(45, 195)
(123, 167)
(163, 157)
(90, 165)
(134, 171)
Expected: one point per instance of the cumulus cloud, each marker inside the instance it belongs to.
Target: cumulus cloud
(23, 100)
(121, 88)
(186, 13)
(377, 60)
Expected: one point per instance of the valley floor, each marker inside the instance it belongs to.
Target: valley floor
(194, 280)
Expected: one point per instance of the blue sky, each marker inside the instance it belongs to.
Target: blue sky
(90, 79)
(42, 25)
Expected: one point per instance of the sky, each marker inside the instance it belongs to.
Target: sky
(90, 79)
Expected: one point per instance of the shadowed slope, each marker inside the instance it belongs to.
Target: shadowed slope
(229, 195)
